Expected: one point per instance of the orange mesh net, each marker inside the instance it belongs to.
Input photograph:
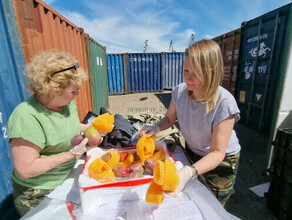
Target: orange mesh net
(170, 177)
(98, 165)
(114, 159)
(145, 146)
(165, 178)
(129, 160)
(104, 122)
(103, 177)
(158, 173)
(158, 154)
(154, 194)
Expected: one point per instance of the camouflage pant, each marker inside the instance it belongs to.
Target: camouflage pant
(221, 179)
(25, 198)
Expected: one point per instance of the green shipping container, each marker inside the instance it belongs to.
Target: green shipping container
(98, 73)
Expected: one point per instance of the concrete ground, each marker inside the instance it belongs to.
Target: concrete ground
(244, 203)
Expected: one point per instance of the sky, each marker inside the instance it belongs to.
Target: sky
(154, 26)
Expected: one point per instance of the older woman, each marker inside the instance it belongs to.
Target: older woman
(41, 128)
(206, 113)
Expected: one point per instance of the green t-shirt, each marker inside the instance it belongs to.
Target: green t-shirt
(49, 130)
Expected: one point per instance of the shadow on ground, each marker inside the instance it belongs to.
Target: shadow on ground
(253, 162)
(164, 98)
(244, 203)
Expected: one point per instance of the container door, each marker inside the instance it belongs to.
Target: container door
(13, 88)
(172, 69)
(261, 54)
(116, 75)
(144, 72)
(99, 80)
(229, 44)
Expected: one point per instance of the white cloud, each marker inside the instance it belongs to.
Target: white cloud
(119, 34)
(124, 25)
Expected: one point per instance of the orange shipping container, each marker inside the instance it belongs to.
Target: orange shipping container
(42, 28)
(229, 44)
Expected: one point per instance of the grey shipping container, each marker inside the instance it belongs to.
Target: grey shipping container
(229, 44)
(144, 72)
(262, 49)
(172, 69)
(116, 73)
(13, 90)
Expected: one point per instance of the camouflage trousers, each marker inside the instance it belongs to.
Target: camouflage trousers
(221, 179)
(25, 198)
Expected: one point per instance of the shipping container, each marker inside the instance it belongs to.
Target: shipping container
(172, 69)
(144, 72)
(279, 196)
(229, 44)
(116, 69)
(42, 28)
(261, 60)
(98, 73)
(13, 90)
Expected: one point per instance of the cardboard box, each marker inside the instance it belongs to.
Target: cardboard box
(94, 194)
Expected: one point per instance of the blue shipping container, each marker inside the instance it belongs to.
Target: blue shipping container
(144, 72)
(115, 67)
(172, 69)
(13, 88)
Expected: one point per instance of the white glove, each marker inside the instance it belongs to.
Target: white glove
(184, 175)
(80, 149)
(150, 130)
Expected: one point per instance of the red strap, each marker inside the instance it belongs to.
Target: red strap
(119, 184)
(70, 207)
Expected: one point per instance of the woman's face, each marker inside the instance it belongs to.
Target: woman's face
(190, 76)
(67, 96)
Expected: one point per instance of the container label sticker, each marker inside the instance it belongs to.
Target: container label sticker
(242, 96)
(3, 128)
(100, 61)
(263, 50)
(258, 97)
(97, 61)
(247, 75)
(134, 59)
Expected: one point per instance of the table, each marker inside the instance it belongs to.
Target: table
(194, 196)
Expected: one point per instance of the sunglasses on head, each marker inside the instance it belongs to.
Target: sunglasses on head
(76, 67)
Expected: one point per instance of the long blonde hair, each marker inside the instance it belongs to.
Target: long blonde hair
(41, 77)
(206, 56)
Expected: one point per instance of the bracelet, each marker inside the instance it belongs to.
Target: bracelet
(196, 172)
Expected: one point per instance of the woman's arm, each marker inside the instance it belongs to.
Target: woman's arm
(169, 119)
(27, 161)
(220, 138)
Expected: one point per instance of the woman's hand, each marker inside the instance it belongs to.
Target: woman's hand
(149, 130)
(80, 149)
(184, 175)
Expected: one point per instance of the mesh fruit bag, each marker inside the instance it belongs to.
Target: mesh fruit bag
(145, 146)
(104, 123)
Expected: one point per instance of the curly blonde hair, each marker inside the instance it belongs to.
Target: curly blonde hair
(41, 77)
(206, 56)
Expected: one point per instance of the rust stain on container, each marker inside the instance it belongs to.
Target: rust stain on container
(42, 28)
(229, 44)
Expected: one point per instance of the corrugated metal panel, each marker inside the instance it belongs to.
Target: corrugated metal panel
(116, 73)
(172, 69)
(98, 70)
(283, 113)
(263, 41)
(13, 88)
(144, 72)
(42, 28)
(229, 44)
